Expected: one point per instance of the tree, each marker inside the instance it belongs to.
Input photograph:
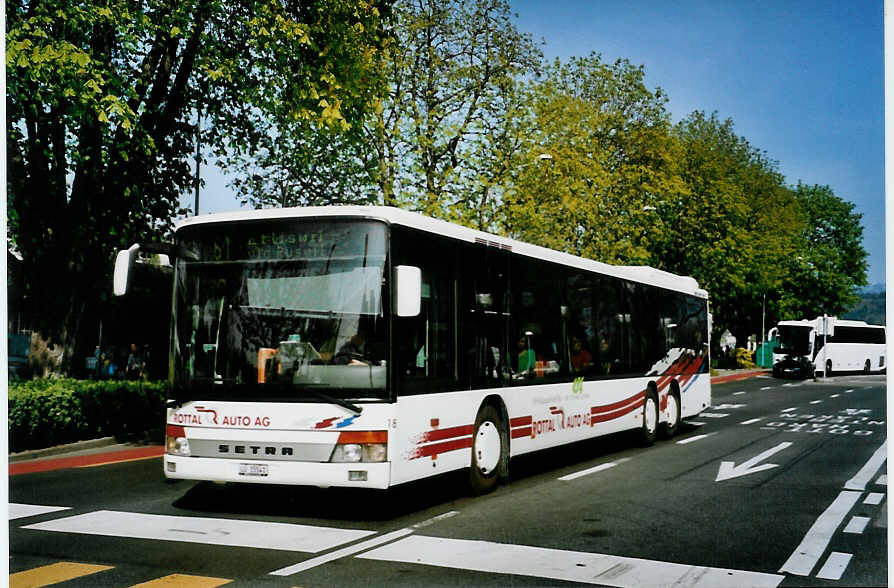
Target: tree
(101, 108)
(602, 143)
(825, 275)
(448, 63)
(735, 227)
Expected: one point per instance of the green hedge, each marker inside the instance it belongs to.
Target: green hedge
(48, 412)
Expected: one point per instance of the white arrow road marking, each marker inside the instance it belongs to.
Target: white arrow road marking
(729, 470)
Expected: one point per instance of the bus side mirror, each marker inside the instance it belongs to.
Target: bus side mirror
(407, 290)
(123, 264)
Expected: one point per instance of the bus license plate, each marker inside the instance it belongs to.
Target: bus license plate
(253, 469)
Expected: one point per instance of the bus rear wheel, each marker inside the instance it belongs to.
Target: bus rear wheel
(669, 429)
(490, 450)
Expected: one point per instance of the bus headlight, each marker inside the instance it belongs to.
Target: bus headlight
(361, 446)
(176, 442)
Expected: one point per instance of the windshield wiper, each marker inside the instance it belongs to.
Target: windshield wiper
(333, 400)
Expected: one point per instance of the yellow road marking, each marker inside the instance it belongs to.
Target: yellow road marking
(52, 574)
(105, 463)
(184, 581)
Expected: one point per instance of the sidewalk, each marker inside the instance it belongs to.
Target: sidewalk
(79, 455)
(723, 376)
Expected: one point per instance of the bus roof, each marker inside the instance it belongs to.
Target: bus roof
(397, 216)
(835, 320)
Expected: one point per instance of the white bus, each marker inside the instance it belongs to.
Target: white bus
(371, 346)
(839, 346)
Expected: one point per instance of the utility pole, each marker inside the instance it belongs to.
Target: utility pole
(198, 157)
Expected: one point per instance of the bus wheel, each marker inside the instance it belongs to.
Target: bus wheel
(669, 429)
(829, 367)
(867, 367)
(650, 419)
(489, 449)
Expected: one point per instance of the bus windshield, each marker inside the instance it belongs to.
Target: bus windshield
(280, 310)
(794, 340)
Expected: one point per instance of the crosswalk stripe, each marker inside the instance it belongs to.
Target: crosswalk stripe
(210, 531)
(53, 574)
(21, 511)
(183, 581)
(557, 564)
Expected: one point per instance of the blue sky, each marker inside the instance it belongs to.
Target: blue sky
(803, 81)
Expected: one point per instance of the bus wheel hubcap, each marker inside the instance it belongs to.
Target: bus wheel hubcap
(487, 447)
(650, 414)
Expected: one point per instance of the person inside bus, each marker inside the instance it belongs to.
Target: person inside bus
(353, 352)
(580, 358)
(527, 359)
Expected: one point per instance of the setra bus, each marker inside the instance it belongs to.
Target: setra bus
(828, 344)
(372, 346)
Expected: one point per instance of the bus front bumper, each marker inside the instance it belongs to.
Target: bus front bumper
(347, 475)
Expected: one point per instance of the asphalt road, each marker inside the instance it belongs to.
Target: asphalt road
(778, 484)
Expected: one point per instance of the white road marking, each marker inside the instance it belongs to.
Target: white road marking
(767, 388)
(729, 469)
(593, 470)
(696, 438)
(882, 480)
(557, 564)
(856, 525)
(210, 531)
(869, 469)
(728, 406)
(374, 542)
(789, 409)
(20, 511)
(714, 415)
(874, 498)
(848, 391)
(834, 567)
(815, 401)
(804, 558)
(834, 395)
(738, 393)
(751, 421)
(318, 561)
(696, 424)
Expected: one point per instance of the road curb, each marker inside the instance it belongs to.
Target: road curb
(60, 449)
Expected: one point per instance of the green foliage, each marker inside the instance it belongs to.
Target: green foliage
(830, 265)
(596, 154)
(103, 99)
(744, 359)
(450, 69)
(48, 412)
(736, 226)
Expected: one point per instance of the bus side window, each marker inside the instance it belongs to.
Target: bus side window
(425, 345)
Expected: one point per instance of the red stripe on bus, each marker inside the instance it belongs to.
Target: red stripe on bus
(601, 418)
(448, 433)
(439, 448)
(521, 421)
(617, 405)
(522, 432)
